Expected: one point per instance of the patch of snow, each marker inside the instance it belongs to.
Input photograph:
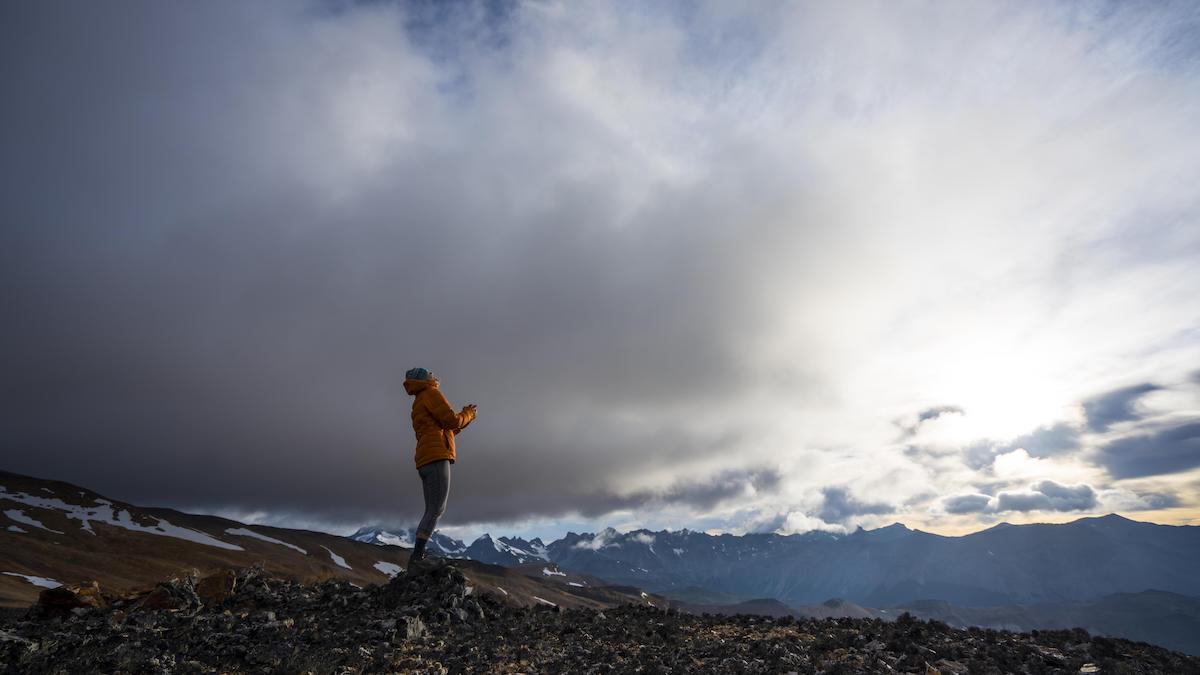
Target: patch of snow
(546, 571)
(36, 581)
(678, 551)
(14, 528)
(341, 562)
(990, 553)
(104, 513)
(163, 528)
(644, 595)
(19, 516)
(575, 583)
(45, 489)
(502, 590)
(245, 532)
(544, 601)
(390, 569)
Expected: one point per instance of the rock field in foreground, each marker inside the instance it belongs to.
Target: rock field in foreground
(430, 620)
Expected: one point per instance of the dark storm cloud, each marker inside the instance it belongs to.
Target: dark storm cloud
(975, 503)
(703, 494)
(1115, 406)
(1047, 495)
(839, 505)
(723, 486)
(1165, 450)
(216, 266)
(1045, 441)
(1159, 500)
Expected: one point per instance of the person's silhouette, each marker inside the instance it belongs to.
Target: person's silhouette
(435, 424)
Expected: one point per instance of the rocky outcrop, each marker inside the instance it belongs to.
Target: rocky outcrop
(63, 599)
(431, 619)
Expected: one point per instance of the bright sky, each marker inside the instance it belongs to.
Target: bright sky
(730, 266)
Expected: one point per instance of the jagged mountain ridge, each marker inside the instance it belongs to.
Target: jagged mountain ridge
(1072, 562)
(439, 544)
(507, 551)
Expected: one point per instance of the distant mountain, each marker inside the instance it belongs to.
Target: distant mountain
(1006, 564)
(507, 551)
(439, 544)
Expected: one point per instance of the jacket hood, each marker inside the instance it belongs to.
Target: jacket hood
(414, 387)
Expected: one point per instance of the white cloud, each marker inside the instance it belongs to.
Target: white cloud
(644, 538)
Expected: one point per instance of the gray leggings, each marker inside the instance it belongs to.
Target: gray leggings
(435, 481)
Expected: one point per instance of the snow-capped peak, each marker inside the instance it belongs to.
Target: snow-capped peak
(439, 544)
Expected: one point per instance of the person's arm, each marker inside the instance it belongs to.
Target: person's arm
(446, 418)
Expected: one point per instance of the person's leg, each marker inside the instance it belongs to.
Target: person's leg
(435, 483)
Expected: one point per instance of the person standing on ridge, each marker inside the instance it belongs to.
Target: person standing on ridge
(435, 423)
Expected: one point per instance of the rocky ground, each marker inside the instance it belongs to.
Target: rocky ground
(430, 620)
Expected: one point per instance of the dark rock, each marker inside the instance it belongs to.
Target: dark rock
(61, 600)
(174, 595)
(426, 620)
(215, 589)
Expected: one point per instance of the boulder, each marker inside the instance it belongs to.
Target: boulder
(174, 595)
(216, 588)
(63, 599)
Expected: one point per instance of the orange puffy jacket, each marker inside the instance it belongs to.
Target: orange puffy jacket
(434, 421)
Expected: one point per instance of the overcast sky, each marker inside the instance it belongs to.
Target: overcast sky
(732, 266)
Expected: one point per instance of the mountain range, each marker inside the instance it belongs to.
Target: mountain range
(1006, 564)
(1110, 575)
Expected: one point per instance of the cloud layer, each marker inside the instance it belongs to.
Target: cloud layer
(691, 261)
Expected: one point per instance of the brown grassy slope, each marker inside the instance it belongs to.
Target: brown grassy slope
(124, 561)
